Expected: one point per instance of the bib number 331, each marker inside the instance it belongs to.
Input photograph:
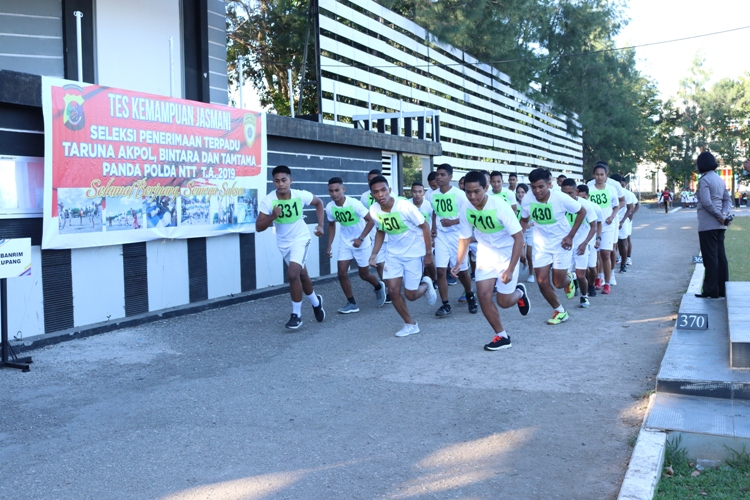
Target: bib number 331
(291, 210)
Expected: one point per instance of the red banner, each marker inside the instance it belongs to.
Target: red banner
(123, 166)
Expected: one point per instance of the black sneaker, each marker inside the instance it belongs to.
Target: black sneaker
(623, 268)
(445, 310)
(320, 313)
(451, 280)
(294, 322)
(498, 343)
(523, 302)
(471, 300)
(592, 291)
(388, 298)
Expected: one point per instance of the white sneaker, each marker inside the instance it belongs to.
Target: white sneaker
(629, 262)
(430, 295)
(530, 279)
(408, 329)
(612, 279)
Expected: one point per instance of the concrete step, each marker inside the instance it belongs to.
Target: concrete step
(696, 361)
(738, 313)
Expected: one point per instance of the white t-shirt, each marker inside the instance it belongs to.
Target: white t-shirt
(401, 225)
(366, 199)
(446, 206)
(630, 199)
(493, 226)
(428, 194)
(507, 195)
(290, 227)
(607, 199)
(591, 218)
(425, 210)
(350, 221)
(550, 223)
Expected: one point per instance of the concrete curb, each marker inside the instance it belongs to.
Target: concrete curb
(38, 341)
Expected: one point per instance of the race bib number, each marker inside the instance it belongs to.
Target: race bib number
(392, 223)
(291, 210)
(484, 221)
(541, 213)
(370, 201)
(600, 198)
(518, 213)
(503, 195)
(346, 216)
(445, 205)
(571, 218)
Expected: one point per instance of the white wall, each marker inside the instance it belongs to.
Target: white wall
(168, 279)
(133, 45)
(223, 265)
(98, 284)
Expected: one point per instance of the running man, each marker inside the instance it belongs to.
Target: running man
(589, 228)
(553, 238)
(367, 200)
(499, 245)
(604, 194)
(283, 208)
(446, 203)
(496, 181)
(512, 181)
(354, 225)
(409, 250)
(591, 271)
(425, 208)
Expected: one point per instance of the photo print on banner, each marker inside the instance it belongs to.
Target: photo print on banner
(124, 166)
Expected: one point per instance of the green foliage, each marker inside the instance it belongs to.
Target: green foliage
(269, 36)
(735, 243)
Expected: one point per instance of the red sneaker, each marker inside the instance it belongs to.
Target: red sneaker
(605, 289)
(598, 283)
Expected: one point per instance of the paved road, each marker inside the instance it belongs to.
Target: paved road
(227, 404)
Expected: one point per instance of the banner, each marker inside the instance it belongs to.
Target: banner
(15, 258)
(124, 166)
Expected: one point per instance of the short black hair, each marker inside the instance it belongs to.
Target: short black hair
(523, 186)
(583, 188)
(431, 176)
(335, 180)
(616, 177)
(563, 176)
(374, 171)
(445, 166)
(281, 169)
(512, 174)
(475, 176)
(417, 183)
(706, 162)
(495, 173)
(603, 166)
(539, 174)
(377, 179)
(569, 182)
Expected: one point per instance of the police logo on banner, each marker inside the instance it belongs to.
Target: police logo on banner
(250, 125)
(73, 117)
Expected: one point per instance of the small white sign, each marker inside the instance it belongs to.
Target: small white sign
(15, 258)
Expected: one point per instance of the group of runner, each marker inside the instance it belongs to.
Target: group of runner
(565, 234)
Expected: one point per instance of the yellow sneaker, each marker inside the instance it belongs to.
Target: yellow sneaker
(570, 288)
(558, 317)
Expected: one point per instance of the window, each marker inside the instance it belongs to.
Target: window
(21, 186)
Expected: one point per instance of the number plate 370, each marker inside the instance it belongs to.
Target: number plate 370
(689, 321)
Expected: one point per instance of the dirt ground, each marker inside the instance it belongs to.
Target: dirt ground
(228, 404)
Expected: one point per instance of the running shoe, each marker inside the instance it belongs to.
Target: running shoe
(443, 311)
(558, 317)
(294, 322)
(407, 330)
(570, 288)
(320, 313)
(498, 343)
(598, 282)
(462, 298)
(451, 280)
(613, 280)
(388, 298)
(523, 303)
(472, 301)
(606, 290)
(349, 308)
(380, 294)
(629, 262)
(618, 260)
(585, 304)
(592, 291)
(623, 268)
(530, 279)
(430, 295)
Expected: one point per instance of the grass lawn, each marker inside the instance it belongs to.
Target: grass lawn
(682, 480)
(737, 244)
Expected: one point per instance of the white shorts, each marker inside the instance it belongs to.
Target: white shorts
(361, 255)
(608, 237)
(560, 259)
(625, 230)
(410, 270)
(490, 265)
(528, 236)
(446, 253)
(592, 253)
(295, 253)
(582, 261)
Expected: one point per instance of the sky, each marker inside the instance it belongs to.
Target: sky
(660, 20)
